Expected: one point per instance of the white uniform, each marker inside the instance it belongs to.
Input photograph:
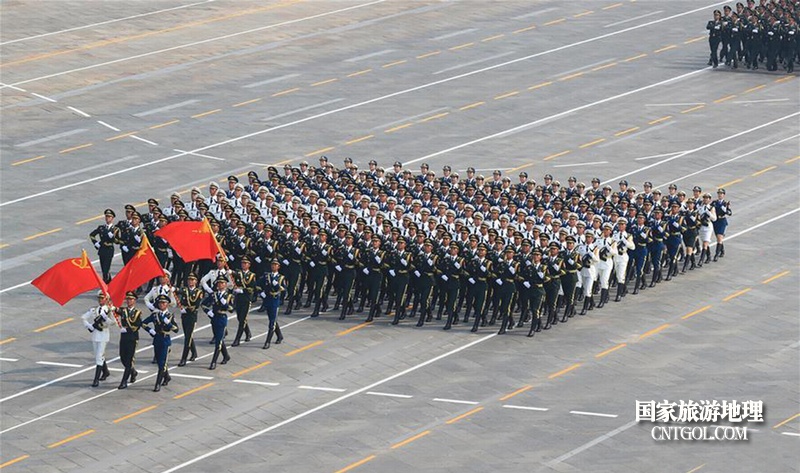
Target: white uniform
(588, 273)
(160, 290)
(211, 276)
(605, 246)
(101, 335)
(707, 231)
(624, 240)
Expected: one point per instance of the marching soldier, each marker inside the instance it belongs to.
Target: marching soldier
(553, 263)
(506, 272)
(675, 230)
(217, 305)
(722, 209)
(273, 287)
(373, 262)
(131, 239)
(399, 264)
(319, 254)
(479, 271)
(163, 323)
(346, 261)
(190, 297)
(658, 233)
(589, 256)
(103, 238)
(424, 269)
(449, 271)
(244, 286)
(535, 277)
(641, 238)
(605, 264)
(691, 224)
(162, 289)
(292, 253)
(569, 280)
(623, 245)
(130, 320)
(714, 28)
(97, 321)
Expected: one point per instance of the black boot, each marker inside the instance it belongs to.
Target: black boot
(105, 373)
(279, 334)
(134, 374)
(396, 319)
(618, 297)
(449, 321)
(686, 262)
(124, 383)
(636, 286)
(421, 320)
(317, 306)
(694, 263)
(97, 371)
(238, 337)
(585, 305)
(371, 315)
(669, 272)
(167, 378)
(603, 295)
(535, 322)
(721, 250)
(716, 253)
(213, 364)
(343, 314)
(655, 278)
(159, 378)
(247, 333)
(225, 357)
(268, 341)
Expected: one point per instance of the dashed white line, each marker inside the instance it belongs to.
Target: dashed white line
(51, 138)
(472, 63)
(165, 108)
(454, 34)
(793, 434)
(191, 376)
(9, 359)
(260, 383)
(122, 370)
(89, 168)
(658, 156)
(455, 401)
(401, 396)
(200, 155)
(79, 112)
(144, 140)
(107, 125)
(370, 55)
(760, 101)
(270, 81)
(43, 97)
(319, 388)
(535, 13)
(595, 414)
(53, 363)
(12, 87)
(525, 408)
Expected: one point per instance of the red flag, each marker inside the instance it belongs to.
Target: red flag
(69, 278)
(143, 267)
(192, 240)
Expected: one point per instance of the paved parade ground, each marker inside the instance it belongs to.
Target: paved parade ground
(111, 103)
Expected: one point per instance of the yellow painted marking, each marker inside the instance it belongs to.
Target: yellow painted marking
(698, 311)
(320, 151)
(472, 105)
(461, 46)
(609, 7)
(508, 94)
(766, 281)
(42, 234)
(693, 470)
(356, 464)
(591, 143)
(625, 132)
(587, 12)
(572, 76)
(162, 125)
(758, 173)
(792, 160)
(47, 327)
(398, 127)
(4, 245)
(353, 329)
(730, 183)
(396, 63)
(466, 414)
(358, 140)
(7, 340)
(81, 222)
(554, 156)
(538, 86)
(737, 294)
(123, 135)
(725, 99)
(410, 439)
(192, 391)
(246, 102)
(635, 57)
(666, 48)
(16, 460)
(604, 66)
(753, 89)
(205, 114)
(564, 371)
(434, 117)
(522, 30)
(654, 331)
(307, 347)
(784, 79)
(659, 120)
(787, 420)
(75, 148)
(432, 53)
(252, 368)
(492, 38)
(323, 82)
(134, 414)
(359, 73)
(27, 160)
(285, 92)
(693, 40)
(696, 107)
(611, 350)
(518, 391)
(70, 439)
(555, 22)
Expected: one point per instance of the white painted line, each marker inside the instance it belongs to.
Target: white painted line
(195, 43)
(260, 383)
(270, 81)
(299, 110)
(316, 388)
(455, 401)
(683, 104)
(658, 156)
(401, 396)
(553, 463)
(107, 125)
(533, 14)
(793, 434)
(633, 19)
(760, 101)
(583, 68)
(472, 63)
(143, 140)
(409, 119)
(103, 23)
(260, 164)
(454, 34)
(708, 145)
(191, 376)
(122, 370)
(637, 134)
(165, 108)
(90, 168)
(370, 55)
(327, 404)
(580, 164)
(29, 257)
(596, 414)
(82, 113)
(200, 155)
(53, 363)
(12, 87)
(526, 408)
(750, 229)
(43, 97)
(9, 359)
(50, 138)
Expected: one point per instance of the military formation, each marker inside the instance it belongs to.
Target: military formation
(473, 251)
(756, 35)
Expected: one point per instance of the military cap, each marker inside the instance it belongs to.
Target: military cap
(275, 261)
(191, 276)
(453, 245)
(131, 295)
(570, 239)
(398, 164)
(241, 225)
(544, 236)
(473, 237)
(136, 215)
(295, 229)
(697, 189)
(659, 210)
(245, 259)
(596, 180)
(152, 201)
(675, 204)
(233, 178)
(536, 251)
(109, 213)
(401, 240)
(720, 191)
(588, 233)
(554, 244)
(162, 298)
(130, 208)
(525, 242)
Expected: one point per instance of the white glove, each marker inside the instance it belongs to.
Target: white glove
(571, 261)
(528, 262)
(263, 294)
(152, 333)
(338, 268)
(238, 290)
(124, 248)
(169, 253)
(365, 271)
(541, 274)
(210, 313)
(230, 258)
(123, 330)
(183, 311)
(483, 268)
(430, 262)
(392, 273)
(111, 234)
(444, 277)
(324, 252)
(457, 265)
(242, 245)
(417, 274)
(137, 238)
(378, 259)
(499, 281)
(404, 262)
(97, 245)
(527, 284)
(296, 250)
(512, 270)
(312, 264)
(275, 283)
(258, 259)
(285, 262)
(471, 280)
